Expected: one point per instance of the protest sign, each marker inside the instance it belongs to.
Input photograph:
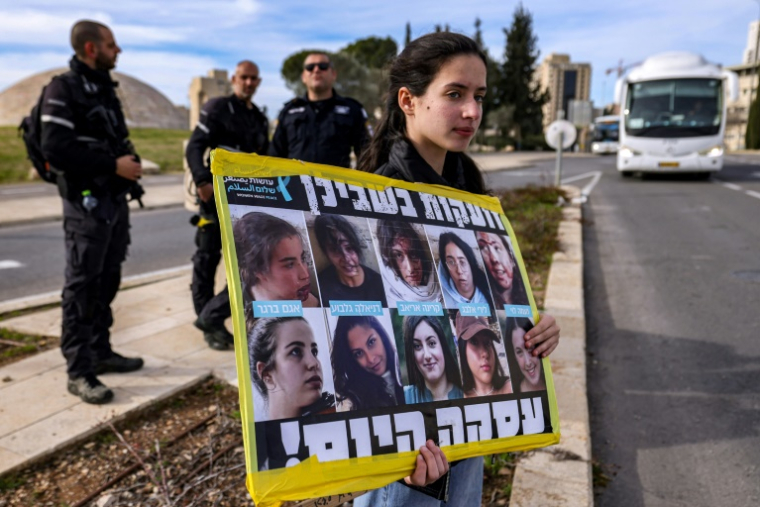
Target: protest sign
(370, 315)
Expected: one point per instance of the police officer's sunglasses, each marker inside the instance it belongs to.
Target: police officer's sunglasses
(309, 67)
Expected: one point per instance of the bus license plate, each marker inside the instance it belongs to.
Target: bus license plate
(668, 164)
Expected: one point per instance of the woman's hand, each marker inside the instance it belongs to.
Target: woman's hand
(431, 465)
(544, 336)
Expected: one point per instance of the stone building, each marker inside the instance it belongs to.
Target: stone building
(215, 84)
(737, 111)
(143, 105)
(565, 81)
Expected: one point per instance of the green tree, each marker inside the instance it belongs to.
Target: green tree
(517, 87)
(408, 36)
(292, 68)
(752, 135)
(372, 52)
(354, 79)
(500, 122)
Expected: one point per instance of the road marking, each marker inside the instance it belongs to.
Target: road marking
(10, 264)
(733, 187)
(585, 191)
(752, 193)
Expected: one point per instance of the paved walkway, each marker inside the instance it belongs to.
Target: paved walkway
(38, 416)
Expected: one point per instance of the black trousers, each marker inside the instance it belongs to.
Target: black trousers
(211, 308)
(96, 246)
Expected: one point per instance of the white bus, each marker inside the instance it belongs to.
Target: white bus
(605, 133)
(673, 115)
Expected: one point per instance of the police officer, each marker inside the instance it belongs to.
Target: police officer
(322, 126)
(84, 139)
(236, 124)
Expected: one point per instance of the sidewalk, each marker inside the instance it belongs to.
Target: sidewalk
(38, 416)
(153, 321)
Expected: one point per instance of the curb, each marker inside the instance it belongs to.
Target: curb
(561, 475)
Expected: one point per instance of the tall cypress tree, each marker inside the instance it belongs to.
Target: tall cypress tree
(493, 84)
(518, 88)
(408, 37)
(752, 134)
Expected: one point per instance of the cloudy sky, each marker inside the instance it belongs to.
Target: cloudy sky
(166, 43)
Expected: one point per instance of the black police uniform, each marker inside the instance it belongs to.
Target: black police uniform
(321, 131)
(83, 130)
(224, 122)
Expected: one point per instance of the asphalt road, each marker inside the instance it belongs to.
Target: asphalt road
(672, 287)
(161, 239)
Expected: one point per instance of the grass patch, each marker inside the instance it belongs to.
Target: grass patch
(15, 346)
(535, 218)
(10, 483)
(162, 146)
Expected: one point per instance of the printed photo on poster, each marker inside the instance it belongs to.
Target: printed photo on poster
(427, 358)
(482, 356)
(274, 258)
(406, 262)
(289, 359)
(527, 370)
(460, 269)
(507, 285)
(365, 362)
(347, 267)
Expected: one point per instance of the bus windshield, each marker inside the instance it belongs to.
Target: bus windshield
(606, 131)
(674, 108)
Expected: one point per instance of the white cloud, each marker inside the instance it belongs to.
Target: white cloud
(167, 43)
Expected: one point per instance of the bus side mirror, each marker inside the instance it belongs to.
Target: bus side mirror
(732, 85)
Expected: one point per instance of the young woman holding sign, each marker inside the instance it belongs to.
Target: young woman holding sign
(434, 107)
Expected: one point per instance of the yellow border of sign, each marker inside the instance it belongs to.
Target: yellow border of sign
(316, 479)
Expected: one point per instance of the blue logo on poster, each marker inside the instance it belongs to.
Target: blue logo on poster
(518, 311)
(282, 183)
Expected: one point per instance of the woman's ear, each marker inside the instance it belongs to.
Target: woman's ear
(406, 101)
(265, 375)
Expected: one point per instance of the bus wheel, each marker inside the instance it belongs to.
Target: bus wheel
(626, 174)
(702, 175)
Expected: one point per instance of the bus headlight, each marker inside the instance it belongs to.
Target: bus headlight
(715, 151)
(626, 152)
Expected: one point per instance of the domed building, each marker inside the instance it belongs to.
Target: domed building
(143, 105)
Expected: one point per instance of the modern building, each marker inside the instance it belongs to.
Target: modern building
(566, 82)
(750, 52)
(738, 110)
